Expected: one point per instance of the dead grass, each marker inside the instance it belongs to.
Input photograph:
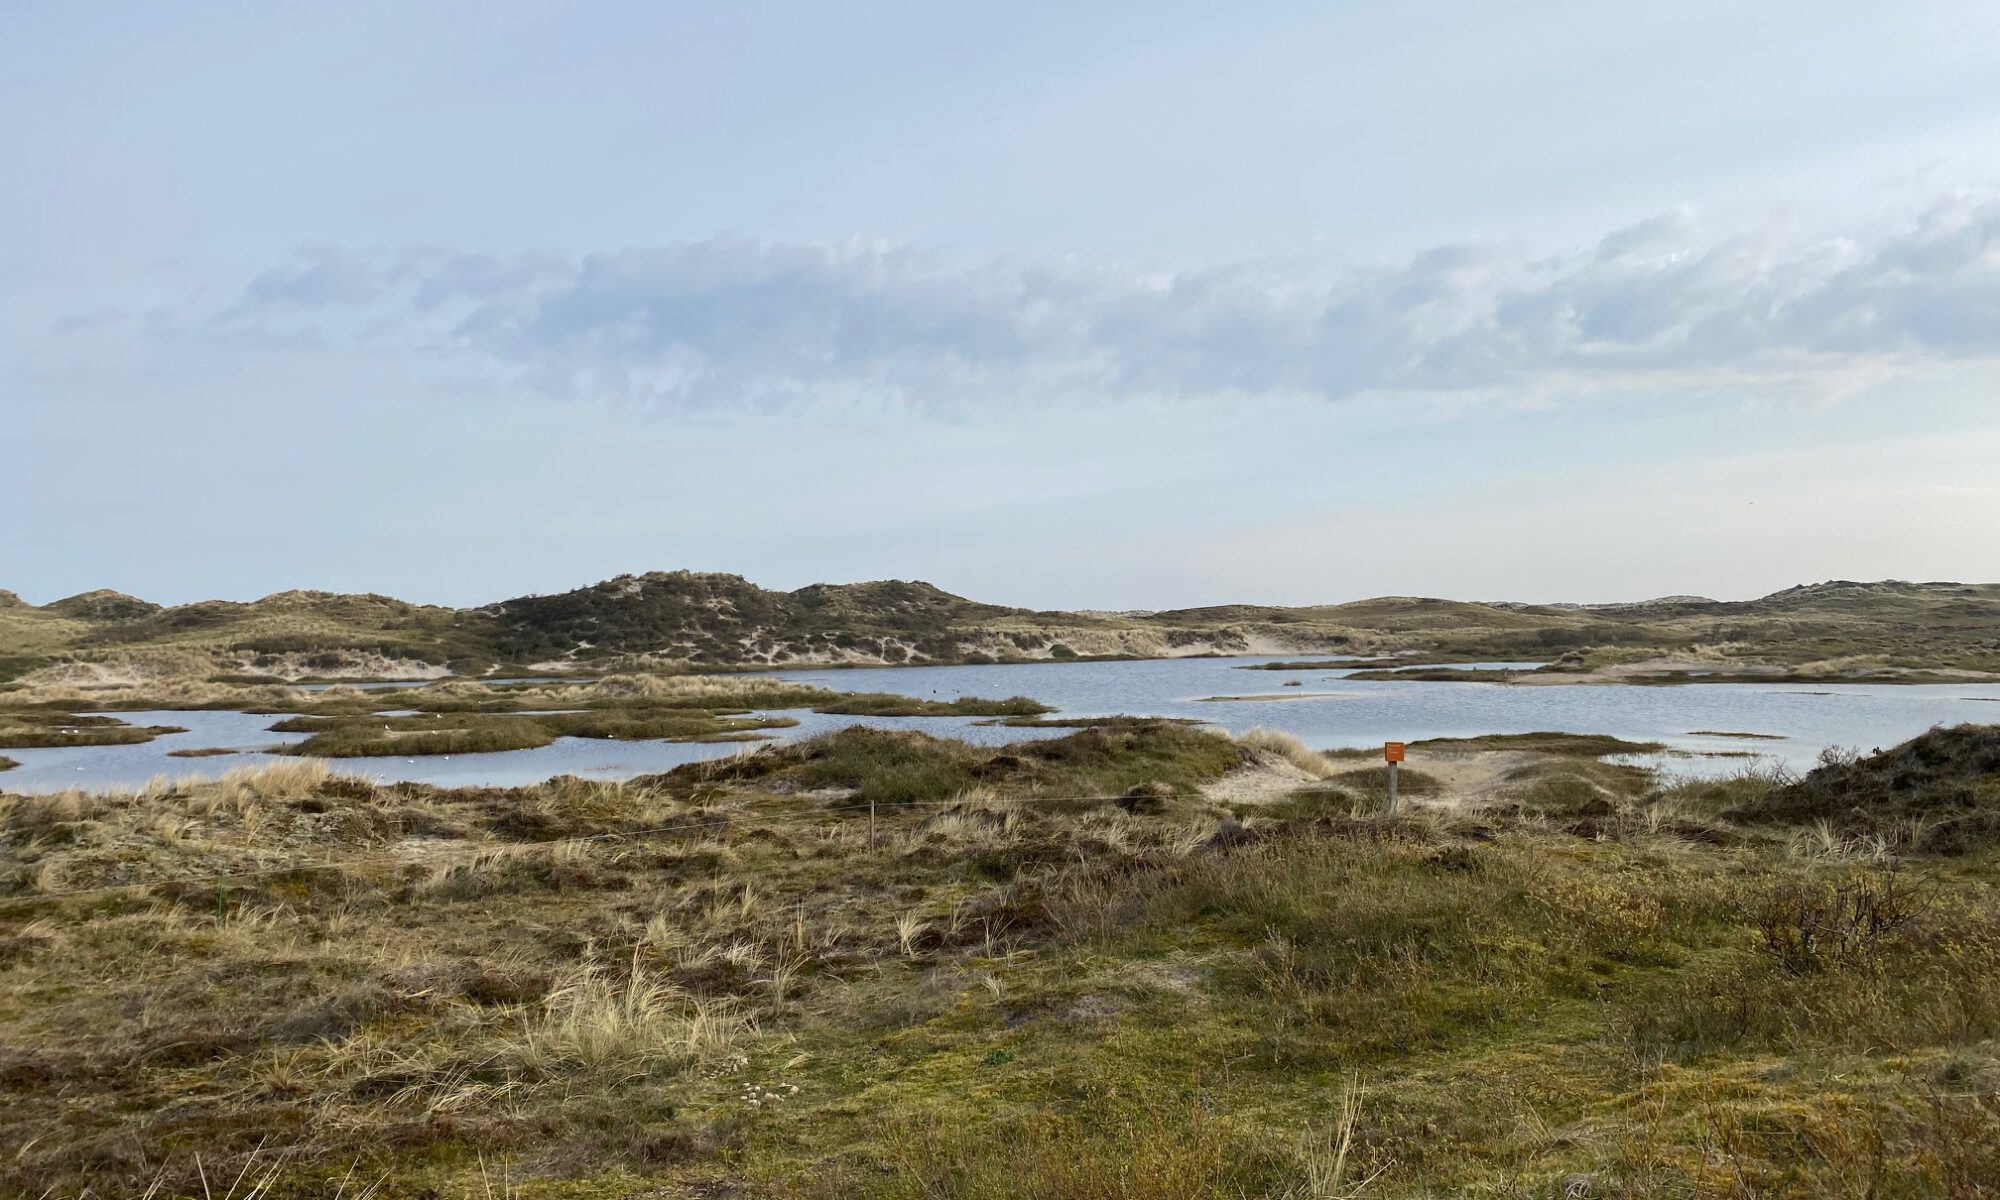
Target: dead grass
(1288, 747)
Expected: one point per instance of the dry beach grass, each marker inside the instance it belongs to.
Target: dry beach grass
(1076, 967)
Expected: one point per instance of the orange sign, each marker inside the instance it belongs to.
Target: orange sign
(1392, 752)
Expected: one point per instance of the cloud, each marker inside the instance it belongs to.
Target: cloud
(736, 322)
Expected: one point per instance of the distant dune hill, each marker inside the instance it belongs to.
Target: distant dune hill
(725, 618)
(103, 605)
(1839, 629)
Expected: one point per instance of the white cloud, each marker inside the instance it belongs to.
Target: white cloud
(732, 322)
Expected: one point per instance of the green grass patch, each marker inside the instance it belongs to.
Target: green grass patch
(1117, 722)
(899, 767)
(1439, 675)
(25, 729)
(883, 704)
(375, 737)
(677, 725)
(1581, 745)
(480, 732)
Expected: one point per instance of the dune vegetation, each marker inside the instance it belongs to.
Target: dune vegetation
(1102, 965)
(689, 621)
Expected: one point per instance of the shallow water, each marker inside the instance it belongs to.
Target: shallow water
(1327, 710)
(53, 769)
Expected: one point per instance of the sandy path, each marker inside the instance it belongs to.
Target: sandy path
(1466, 779)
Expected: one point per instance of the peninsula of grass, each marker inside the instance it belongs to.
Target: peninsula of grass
(1442, 675)
(1719, 733)
(1346, 664)
(7, 764)
(1112, 722)
(884, 704)
(204, 752)
(477, 733)
(21, 729)
(674, 725)
(376, 737)
(1581, 745)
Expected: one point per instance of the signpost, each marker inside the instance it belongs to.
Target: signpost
(1392, 753)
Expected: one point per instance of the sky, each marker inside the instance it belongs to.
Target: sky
(1115, 306)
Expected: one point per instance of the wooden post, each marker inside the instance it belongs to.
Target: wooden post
(871, 822)
(1392, 753)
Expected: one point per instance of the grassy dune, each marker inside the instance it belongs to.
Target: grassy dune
(681, 621)
(715, 982)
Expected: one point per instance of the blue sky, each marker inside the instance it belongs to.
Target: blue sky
(1136, 306)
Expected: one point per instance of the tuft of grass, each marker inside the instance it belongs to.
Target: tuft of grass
(592, 1019)
(1288, 747)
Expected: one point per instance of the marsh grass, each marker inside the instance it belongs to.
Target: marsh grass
(30, 729)
(1580, 745)
(1114, 722)
(369, 737)
(471, 732)
(882, 704)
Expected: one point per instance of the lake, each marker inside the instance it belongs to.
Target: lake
(1327, 710)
